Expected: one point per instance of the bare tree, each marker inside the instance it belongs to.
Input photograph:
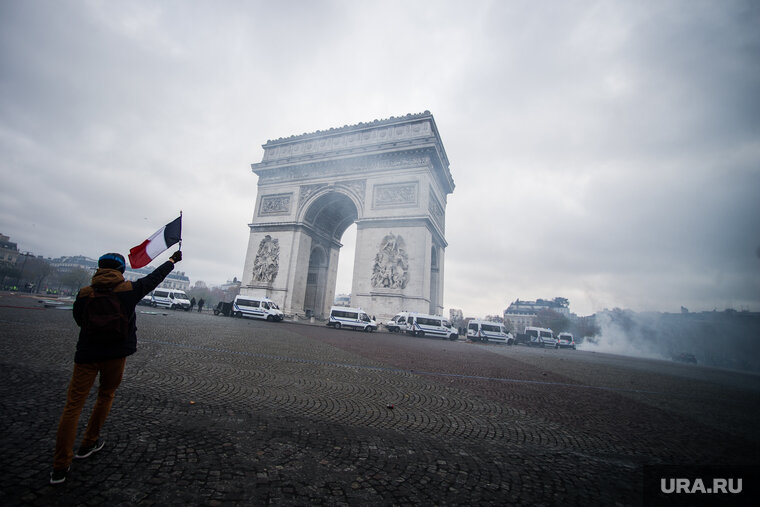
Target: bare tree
(553, 320)
(75, 279)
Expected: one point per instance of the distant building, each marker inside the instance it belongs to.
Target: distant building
(523, 313)
(230, 289)
(66, 264)
(8, 250)
(342, 300)
(231, 286)
(174, 280)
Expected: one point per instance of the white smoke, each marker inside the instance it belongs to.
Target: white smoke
(621, 336)
(722, 339)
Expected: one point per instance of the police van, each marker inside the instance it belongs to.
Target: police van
(256, 307)
(540, 337)
(485, 331)
(420, 324)
(565, 340)
(397, 323)
(170, 298)
(355, 318)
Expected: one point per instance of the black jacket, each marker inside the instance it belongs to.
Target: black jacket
(129, 293)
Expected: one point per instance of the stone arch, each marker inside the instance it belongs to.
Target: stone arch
(330, 213)
(316, 279)
(325, 218)
(391, 178)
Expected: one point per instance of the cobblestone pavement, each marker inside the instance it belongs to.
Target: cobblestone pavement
(220, 411)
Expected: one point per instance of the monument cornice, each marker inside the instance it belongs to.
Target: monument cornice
(409, 133)
(354, 166)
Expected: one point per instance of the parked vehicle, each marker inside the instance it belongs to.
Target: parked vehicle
(566, 340)
(486, 331)
(418, 324)
(223, 308)
(397, 323)
(170, 298)
(540, 337)
(256, 307)
(354, 318)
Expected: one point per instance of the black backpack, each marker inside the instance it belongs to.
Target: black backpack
(104, 317)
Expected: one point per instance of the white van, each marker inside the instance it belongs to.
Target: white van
(419, 324)
(260, 308)
(170, 298)
(566, 340)
(397, 323)
(486, 331)
(541, 337)
(356, 318)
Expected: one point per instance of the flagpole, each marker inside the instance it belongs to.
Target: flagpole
(180, 238)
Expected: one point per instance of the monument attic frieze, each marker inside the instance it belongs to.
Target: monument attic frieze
(410, 140)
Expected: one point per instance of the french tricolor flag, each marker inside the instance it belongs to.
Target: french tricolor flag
(166, 236)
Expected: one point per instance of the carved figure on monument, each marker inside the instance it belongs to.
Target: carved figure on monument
(391, 267)
(267, 262)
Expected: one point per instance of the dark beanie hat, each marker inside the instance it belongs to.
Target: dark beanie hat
(112, 261)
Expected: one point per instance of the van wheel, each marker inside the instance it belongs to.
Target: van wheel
(238, 314)
(420, 333)
(173, 307)
(453, 337)
(269, 318)
(337, 325)
(367, 329)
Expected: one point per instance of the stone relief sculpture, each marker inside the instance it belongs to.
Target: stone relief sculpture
(396, 194)
(391, 267)
(267, 262)
(275, 204)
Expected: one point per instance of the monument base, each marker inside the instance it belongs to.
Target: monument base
(385, 303)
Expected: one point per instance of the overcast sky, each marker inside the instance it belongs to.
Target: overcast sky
(606, 152)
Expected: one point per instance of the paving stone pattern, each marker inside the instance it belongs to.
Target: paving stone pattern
(221, 411)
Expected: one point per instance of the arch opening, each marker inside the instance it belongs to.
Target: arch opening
(328, 218)
(435, 274)
(331, 214)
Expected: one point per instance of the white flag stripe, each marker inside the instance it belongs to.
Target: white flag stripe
(156, 244)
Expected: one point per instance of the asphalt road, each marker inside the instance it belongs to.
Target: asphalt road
(221, 411)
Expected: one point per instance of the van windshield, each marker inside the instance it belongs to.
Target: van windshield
(179, 294)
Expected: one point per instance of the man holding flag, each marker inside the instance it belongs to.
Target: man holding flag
(105, 313)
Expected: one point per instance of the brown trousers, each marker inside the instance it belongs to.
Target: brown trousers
(82, 381)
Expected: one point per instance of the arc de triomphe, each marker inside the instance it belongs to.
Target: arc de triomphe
(391, 177)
